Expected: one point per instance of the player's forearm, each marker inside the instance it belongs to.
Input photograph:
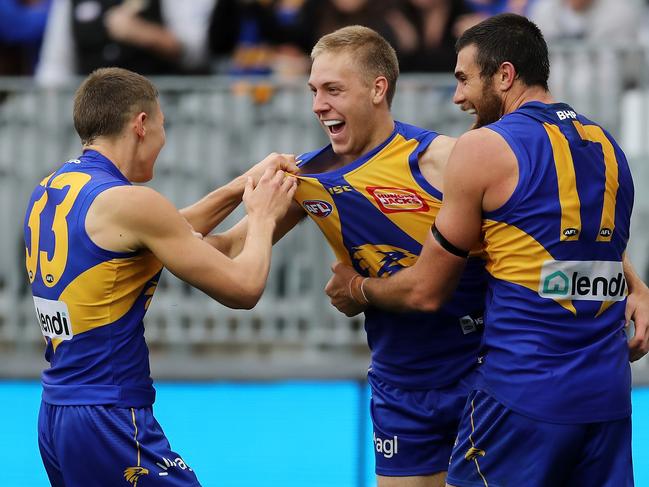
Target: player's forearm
(252, 264)
(405, 291)
(425, 286)
(208, 212)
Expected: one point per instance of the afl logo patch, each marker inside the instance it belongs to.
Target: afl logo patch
(395, 200)
(319, 208)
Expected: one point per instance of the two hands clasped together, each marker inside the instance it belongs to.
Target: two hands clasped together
(269, 188)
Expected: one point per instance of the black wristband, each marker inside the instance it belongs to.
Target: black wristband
(448, 246)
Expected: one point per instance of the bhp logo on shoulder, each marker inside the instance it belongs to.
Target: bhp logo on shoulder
(54, 318)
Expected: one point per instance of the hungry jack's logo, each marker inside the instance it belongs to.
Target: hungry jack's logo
(397, 200)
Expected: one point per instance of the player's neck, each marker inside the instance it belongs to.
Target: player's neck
(516, 98)
(118, 150)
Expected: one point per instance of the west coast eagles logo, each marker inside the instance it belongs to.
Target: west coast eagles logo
(381, 260)
(133, 474)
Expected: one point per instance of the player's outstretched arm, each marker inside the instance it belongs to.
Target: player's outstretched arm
(637, 310)
(132, 218)
(231, 241)
(208, 212)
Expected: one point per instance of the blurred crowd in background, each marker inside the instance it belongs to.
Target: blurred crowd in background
(56, 40)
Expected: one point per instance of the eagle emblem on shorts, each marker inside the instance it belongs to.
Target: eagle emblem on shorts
(473, 453)
(133, 474)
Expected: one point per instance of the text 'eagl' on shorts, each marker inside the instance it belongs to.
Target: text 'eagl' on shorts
(414, 430)
(103, 446)
(498, 447)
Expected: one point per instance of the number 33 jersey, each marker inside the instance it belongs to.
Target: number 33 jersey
(376, 213)
(554, 323)
(89, 301)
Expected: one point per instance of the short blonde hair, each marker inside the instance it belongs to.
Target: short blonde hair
(375, 55)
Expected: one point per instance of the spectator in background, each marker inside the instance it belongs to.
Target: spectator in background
(594, 20)
(22, 23)
(256, 36)
(426, 33)
(482, 9)
(494, 7)
(264, 37)
(148, 36)
(590, 75)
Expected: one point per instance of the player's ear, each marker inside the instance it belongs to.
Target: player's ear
(506, 75)
(379, 90)
(140, 124)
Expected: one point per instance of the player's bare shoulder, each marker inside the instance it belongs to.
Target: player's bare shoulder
(484, 158)
(116, 215)
(432, 161)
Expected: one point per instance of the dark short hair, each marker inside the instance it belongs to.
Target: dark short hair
(374, 54)
(107, 98)
(509, 38)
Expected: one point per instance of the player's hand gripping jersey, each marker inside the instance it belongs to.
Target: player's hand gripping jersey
(376, 213)
(89, 301)
(556, 347)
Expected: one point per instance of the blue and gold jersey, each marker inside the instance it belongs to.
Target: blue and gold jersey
(89, 301)
(556, 347)
(376, 213)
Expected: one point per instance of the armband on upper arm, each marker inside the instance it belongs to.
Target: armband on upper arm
(448, 246)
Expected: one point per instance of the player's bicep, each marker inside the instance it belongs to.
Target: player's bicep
(159, 227)
(460, 217)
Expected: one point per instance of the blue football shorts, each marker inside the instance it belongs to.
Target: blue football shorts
(497, 447)
(414, 430)
(108, 446)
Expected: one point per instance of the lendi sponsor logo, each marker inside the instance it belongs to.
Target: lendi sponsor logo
(394, 200)
(593, 280)
(54, 318)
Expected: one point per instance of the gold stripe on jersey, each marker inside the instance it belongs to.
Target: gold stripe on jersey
(34, 223)
(312, 189)
(394, 172)
(106, 292)
(568, 196)
(605, 305)
(53, 268)
(594, 133)
(515, 256)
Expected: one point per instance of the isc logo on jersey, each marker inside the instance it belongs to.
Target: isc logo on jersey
(54, 318)
(318, 208)
(394, 200)
(583, 280)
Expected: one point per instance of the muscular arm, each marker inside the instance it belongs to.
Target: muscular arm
(637, 310)
(208, 212)
(132, 218)
(212, 209)
(231, 241)
(433, 160)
